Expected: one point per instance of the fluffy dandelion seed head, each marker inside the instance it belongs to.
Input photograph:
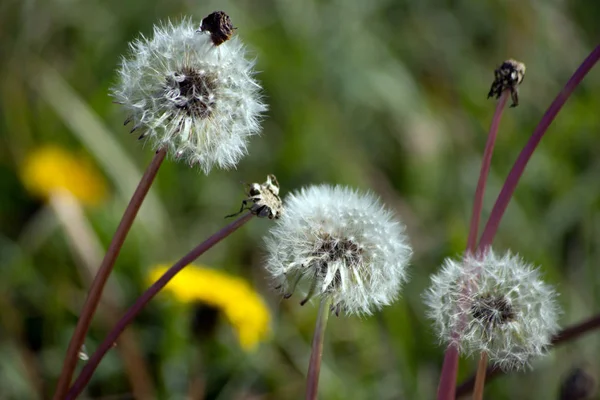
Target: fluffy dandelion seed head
(183, 92)
(342, 244)
(494, 304)
(234, 297)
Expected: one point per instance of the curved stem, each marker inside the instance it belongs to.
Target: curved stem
(106, 267)
(566, 335)
(87, 250)
(314, 366)
(145, 298)
(447, 385)
(515, 174)
(484, 172)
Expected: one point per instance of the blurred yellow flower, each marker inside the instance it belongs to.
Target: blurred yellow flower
(233, 296)
(52, 168)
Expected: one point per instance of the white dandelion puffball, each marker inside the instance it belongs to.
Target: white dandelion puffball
(497, 305)
(198, 99)
(341, 244)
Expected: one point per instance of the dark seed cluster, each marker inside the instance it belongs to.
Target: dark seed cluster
(492, 311)
(196, 92)
(333, 249)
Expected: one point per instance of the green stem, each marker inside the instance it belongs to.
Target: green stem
(314, 366)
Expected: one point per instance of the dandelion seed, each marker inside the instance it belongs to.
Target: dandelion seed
(337, 242)
(496, 305)
(186, 93)
(83, 354)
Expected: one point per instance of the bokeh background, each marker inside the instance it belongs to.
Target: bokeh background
(386, 95)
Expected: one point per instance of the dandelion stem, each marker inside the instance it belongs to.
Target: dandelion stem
(485, 169)
(480, 378)
(88, 251)
(515, 174)
(106, 267)
(447, 385)
(145, 298)
(314, 366)
(566, 335)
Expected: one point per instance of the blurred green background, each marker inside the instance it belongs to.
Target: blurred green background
(386, 95)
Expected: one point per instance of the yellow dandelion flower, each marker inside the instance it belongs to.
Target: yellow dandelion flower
(52, 168)
(234, 297)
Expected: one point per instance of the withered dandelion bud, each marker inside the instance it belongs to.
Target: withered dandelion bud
(508, 76)
(218, 24)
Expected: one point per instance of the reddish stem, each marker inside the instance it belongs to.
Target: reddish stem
(515, 174)
(485, 169)
(567, 334)
(447, 385)
(314, 365)
(144, 299)
(106, 267)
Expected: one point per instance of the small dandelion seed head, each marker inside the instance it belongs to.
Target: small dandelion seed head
(497, 305)
(337, 242)
(182, 91)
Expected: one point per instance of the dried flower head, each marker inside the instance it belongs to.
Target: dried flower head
(183, 91)
(343, 244)
(497, 305)
(219, 26)
(508, 76)
(263, 199)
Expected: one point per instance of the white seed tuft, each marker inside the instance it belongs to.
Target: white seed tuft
(342, 244)
(183, 92)
(497, 305)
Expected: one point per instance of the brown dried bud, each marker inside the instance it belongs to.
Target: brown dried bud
(508, 76)
(219, 25)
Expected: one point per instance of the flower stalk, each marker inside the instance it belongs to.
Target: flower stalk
(515, 174)
(106, 267)
(447, 385)
(144, 299)
(566, 335)
(314, 366)
(485, 169)
(480, 377)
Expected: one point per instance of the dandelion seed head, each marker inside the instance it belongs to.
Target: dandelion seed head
(341, 243)
(182, 91)
(497, 305)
